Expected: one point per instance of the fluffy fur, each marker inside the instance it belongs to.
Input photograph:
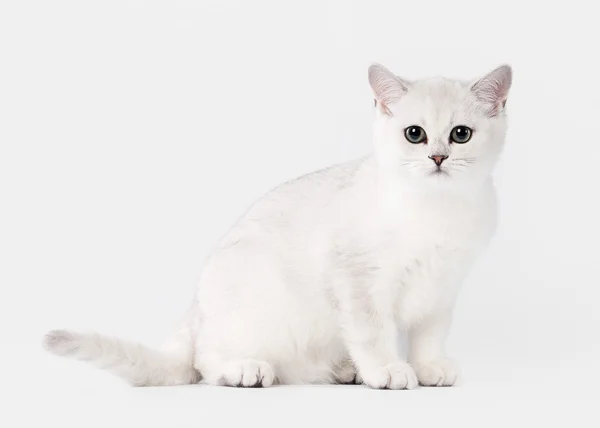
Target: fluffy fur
(320, 277)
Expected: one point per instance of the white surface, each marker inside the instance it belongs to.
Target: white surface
(134, 133)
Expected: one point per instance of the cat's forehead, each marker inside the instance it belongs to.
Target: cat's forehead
(438, 100)
(438, 88)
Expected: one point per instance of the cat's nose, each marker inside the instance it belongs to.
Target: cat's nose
(438, 159)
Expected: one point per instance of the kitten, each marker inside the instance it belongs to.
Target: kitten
(316, 282)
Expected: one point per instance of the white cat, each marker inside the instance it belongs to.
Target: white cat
(316, 282)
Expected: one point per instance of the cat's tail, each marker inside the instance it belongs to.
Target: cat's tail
(137, 364)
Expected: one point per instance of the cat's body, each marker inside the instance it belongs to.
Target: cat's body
(315, 283)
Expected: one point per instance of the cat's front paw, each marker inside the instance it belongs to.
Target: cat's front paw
(437, 373)
(398, 375)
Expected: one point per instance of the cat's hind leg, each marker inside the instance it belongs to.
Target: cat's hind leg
(246, 373)
(346, 373)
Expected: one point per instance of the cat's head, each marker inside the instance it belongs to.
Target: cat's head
(439, 131)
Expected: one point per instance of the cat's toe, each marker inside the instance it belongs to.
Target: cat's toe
(398, 375)
(249, 373)
(437, 373)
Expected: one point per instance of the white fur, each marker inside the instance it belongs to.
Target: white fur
(316, 282)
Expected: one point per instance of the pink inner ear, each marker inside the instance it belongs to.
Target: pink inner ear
(493, 88)
(387, 87)
(497, 107)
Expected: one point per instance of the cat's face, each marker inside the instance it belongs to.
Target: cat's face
(439, 131)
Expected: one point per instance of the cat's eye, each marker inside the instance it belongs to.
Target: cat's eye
(461, 134)
(415, 135)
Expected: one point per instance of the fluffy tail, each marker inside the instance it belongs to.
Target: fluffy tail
(135, 363)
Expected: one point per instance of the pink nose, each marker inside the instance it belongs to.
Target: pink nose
(438, 159)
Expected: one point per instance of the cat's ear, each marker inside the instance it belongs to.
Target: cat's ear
(492, 89)
(386, 86)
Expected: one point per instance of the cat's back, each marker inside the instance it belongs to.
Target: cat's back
(299, 207)
(306, 196)
(321, 184)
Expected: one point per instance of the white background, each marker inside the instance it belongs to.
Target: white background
(134, 133)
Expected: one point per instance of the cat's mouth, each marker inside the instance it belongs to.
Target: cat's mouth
(439, 171)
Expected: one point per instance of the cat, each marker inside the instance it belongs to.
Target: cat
(316, 283)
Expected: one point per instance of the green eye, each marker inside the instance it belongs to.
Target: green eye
(415, 135)
(460, 134)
